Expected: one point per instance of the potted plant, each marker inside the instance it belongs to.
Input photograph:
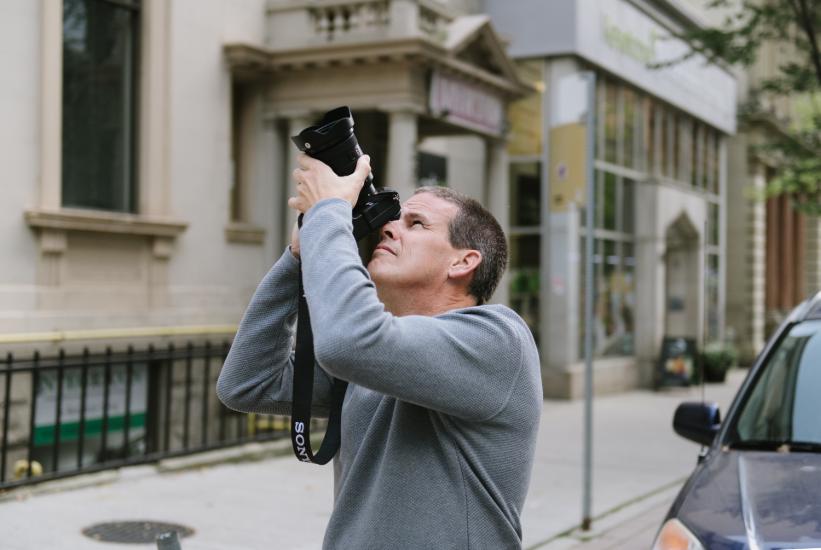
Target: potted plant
(716, 359)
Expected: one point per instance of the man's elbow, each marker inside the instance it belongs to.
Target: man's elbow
(334, 354)
(227, 392)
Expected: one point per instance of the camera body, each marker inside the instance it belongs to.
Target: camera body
(332, 140)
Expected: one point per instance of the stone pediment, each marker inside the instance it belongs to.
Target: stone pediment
(472, 39)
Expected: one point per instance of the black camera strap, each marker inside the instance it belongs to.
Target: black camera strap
(303, 387)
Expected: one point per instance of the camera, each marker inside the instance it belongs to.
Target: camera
(332, 140)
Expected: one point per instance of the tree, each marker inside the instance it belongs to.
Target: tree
(796, 149)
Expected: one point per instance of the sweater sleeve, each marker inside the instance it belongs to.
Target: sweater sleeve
(257, 375)
(463, 363)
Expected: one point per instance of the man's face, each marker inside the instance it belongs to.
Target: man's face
(415, 250)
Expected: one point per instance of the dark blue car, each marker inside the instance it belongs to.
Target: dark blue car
(758, 482)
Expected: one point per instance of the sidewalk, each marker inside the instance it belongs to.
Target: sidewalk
(639, 463)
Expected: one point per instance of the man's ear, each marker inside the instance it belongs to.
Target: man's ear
(464, 264)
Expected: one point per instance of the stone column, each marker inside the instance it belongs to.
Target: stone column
(812, 264)
(154, 135)
(402, 138)
(561, 313)
(744, 253)
(650, 280)
(51, 104)
(497, 200)
(296, 123)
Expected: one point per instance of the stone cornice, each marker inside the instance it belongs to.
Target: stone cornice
(256, 61)
(72, 219)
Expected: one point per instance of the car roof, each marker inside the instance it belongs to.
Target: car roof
(808, 309)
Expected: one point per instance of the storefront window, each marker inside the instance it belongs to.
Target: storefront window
(696, 156)
(525, 194)
(629, 137)
(525, 115)
(711, 298)
(611, 126)
(525, 242)
(613, 298)
(649, 141)
(608, 202)
(712, 224)
(627, 224)
(715, 144)
(664, 142)
(685, 137)
(675, 147)
(524, 279)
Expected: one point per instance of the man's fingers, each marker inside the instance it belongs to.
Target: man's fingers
(295, 203)
(363, 168)
(305, 162)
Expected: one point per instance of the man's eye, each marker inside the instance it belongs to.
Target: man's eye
(417, 222)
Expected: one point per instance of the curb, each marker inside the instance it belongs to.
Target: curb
(613, 518)
(248, 452)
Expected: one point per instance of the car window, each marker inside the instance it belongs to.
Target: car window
(784, 404)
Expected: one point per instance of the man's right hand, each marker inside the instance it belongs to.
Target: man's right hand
(295, 241)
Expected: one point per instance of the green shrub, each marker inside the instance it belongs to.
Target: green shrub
(716, 359)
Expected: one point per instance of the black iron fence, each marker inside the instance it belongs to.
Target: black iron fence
(73, 414)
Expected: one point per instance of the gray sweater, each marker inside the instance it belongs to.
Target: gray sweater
(440, 419)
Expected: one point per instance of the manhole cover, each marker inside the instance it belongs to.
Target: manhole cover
(137, 532)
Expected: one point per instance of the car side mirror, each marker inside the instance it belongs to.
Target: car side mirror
(697, 422)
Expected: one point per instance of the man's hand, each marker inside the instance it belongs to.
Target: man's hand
(316, 181)
(295, 241)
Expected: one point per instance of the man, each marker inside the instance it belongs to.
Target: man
(440, 418)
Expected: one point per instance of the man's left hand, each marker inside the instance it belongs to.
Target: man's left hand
(315, 181)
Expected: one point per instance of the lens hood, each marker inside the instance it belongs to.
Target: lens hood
(335, 126)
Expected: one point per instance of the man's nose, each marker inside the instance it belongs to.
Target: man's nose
(388, 230)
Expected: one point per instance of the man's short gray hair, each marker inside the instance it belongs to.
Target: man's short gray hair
(474, 228)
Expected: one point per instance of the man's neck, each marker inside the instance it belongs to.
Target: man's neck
(402, 302)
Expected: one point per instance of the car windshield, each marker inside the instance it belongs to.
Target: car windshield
(784, 405)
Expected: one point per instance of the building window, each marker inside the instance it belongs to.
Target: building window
(613, 267)
(525, 115)
(525, 242)
(614, 297)
(649, 139)
(431, 169)
(629, 133)
(99, 103)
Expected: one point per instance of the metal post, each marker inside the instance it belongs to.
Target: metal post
(168, 541)
(590, 211)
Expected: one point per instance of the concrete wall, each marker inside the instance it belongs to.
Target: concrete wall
(466, 162)
(205, 269)
(20, 146)
(107, 280)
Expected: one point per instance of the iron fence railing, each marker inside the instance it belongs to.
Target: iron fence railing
(71, 414)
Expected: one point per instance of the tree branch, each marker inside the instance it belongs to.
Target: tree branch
(805, 19)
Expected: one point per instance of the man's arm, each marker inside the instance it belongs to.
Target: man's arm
(258, 373)
(462, 363)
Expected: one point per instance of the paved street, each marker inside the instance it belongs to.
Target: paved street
(280, 503)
